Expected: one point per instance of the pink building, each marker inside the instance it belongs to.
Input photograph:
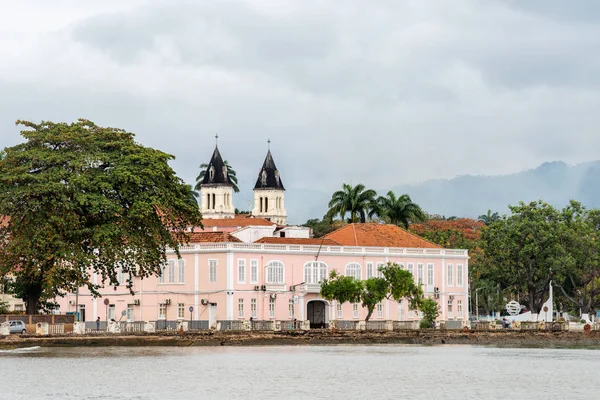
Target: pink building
(275, 278)
(255, 266)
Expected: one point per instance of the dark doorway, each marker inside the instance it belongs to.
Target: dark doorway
(315, 311)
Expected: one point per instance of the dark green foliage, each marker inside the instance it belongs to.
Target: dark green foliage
(82, 198)
(356, 200)
(399, 211)
(396, 284)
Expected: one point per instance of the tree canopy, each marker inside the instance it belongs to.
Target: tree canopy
(401, 211)
(396, 284)
(78, 198)
(355, 200)
(525, 251)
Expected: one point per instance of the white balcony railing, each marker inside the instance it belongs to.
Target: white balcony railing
(312, 249)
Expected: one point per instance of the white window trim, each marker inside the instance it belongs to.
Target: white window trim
(315, 267)
(378, 273)
(450, 275)
(267, 272)
(370, 268)
(242, 309)
(181, 264)
(355, 311)
(257, 271)
(339, 311)
(165, 315)
(253, 310)
(241, 263)
(171, 265)
(272, 312)
(462, 278)
(421, 274)
(179, 309)
(216, 270)
(161, 278)
(353, 263)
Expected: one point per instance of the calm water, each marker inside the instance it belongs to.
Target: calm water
(340, 372)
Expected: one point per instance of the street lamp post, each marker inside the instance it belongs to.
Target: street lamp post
(477, 304)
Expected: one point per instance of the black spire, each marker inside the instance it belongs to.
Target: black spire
(216, 172)
(268, 177)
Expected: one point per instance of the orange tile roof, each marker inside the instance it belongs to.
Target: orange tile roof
(378, 235)
(212, 237)
(307, 241)
(235, 222)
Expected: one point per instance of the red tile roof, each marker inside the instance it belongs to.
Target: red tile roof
(378, 235)
(307, 241)
(212, 237)
(235, 222)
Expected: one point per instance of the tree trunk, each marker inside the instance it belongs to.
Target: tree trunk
(32, 298)
(369, 313)
(33, 303)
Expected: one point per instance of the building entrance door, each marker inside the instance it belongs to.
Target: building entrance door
(315, 313)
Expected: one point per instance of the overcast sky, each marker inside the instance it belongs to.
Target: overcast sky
(382, 93)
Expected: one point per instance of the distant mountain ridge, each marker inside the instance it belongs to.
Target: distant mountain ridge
(470, 196)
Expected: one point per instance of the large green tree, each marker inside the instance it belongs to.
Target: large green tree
(78, 198)
(355, 200)
(525, 251)
(395, 283)
(231, 175)
(401, 211)
(581, 283)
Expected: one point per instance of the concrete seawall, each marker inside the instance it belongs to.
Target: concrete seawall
(315, 337)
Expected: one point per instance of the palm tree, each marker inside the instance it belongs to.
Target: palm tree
(489, 218)
(230, 175)
(399, 211)
(192, 195)
(356, 200)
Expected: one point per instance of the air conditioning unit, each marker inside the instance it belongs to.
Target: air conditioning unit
(436, 295)
(451, 297)
(167, 301)
(436, 289)
(273, 295)
(257, 287)
(204, 302)
(263, 288)
(136, 302)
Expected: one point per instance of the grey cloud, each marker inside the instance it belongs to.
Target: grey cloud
(397, 92)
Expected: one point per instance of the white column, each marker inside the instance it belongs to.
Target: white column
(302, 306)
(443, 303)
(466, 283)
(229, 285)
(141, 300)
(196, 268)
(95, 300)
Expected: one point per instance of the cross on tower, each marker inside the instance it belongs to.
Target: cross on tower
(269, 143)
(217, 138)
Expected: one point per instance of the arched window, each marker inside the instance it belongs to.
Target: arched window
(354, 270)
(275, 272)
(315, 272)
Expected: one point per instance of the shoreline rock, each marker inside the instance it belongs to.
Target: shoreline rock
(314, 337)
